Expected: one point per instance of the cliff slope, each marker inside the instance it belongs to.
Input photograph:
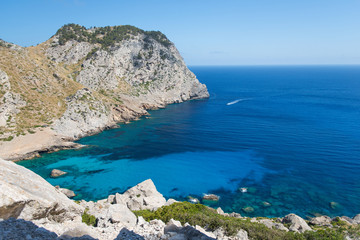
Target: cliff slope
(82, 81)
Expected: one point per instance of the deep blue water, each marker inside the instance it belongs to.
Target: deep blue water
(293, 139)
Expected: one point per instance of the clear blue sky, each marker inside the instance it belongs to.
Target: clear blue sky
(207, 32)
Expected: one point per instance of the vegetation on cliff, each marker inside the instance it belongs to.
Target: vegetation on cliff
(107, 36)
(198, 214)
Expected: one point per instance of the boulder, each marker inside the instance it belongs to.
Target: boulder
(26, 195)
(172, 226)
(142, 196)
(242, 235)
(57, 173)
(270, 224)
(67, 192)
(220, 211)
(170, 201)
(297, 223)
(321, 221)
(119, 213)
(235, 215)
(356, 219)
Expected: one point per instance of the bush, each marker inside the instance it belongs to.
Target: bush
(109, 35)
(198, 214)
(88, 219)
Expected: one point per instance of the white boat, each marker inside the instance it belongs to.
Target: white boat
(243, 189)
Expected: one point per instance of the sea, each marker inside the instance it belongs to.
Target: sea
(270, 140)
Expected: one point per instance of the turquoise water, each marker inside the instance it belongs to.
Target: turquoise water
(291, 135)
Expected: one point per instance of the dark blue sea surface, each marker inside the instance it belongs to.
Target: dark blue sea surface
(290, 135)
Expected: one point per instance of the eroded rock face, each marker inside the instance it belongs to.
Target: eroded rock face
(321, 221)
(297, 223)
(270, 224)
(26, 195)
(138, 72)
(142, 196)
(10, 102)
(356, 219)
(85, 114)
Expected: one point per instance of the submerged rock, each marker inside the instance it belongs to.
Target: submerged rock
(211, 197)
(69, 193)
(248, 209)
(334, 205)
(57, 173)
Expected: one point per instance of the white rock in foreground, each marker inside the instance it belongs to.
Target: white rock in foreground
(26, 195)
(142, 196)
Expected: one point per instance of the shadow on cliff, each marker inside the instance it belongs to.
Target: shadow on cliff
(126, 234)
(21, 229)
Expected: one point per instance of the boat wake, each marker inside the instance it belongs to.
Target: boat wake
(237, 100)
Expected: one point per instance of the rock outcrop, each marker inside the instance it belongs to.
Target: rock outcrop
(25, 195)
(321, 221)
(138, 70)
(30, 208)
(142, 196)
(82, 81)
(57, 173)
(297, 224)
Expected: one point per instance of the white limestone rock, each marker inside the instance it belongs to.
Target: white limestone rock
(356, 219)
(26, 195)
(142, 196)
(297, 223)
(321, 221)
(119, 213)
(270, 224)
(84, 115)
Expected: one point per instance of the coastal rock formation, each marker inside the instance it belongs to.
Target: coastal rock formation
(142, 196)
(69, 193)
(321, 221)
(82, 81)
(84, 115)
(10, 103)
(25, 195)
(139, 70)
(270, 224)
(30, 208)
(297, 223)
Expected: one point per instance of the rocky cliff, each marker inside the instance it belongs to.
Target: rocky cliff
(30, 208)
(82, 81)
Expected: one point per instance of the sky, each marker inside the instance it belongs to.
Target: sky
(207, 32)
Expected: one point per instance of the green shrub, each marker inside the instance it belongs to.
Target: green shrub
(88, 219)
(198, 214)
(109, 35)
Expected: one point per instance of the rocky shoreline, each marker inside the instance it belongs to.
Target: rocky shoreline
(83, 81)
(31, 208)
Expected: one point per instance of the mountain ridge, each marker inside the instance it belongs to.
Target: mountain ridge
(82, 81)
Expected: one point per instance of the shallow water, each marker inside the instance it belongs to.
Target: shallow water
(291, 135)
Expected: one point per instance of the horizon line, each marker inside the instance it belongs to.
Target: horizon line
(261, 65)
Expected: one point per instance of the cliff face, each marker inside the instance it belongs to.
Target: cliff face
(90, 79)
